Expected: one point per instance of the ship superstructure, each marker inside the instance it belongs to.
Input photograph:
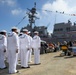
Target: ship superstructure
(41, 29)
(64, 32)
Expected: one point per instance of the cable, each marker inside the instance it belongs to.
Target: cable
(21, 21)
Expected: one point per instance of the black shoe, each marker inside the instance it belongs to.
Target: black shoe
(25, 67)
(22, 67)
(28, 67)
(3, 68)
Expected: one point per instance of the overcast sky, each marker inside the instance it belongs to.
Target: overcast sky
(12, 11)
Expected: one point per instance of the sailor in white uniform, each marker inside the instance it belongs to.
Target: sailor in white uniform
(3, 48)
(30, 50)
(13, 49)
(36, 44)
(18, 32)
(24, 48)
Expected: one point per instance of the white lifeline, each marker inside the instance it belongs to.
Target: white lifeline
(12, 47)
(30, 49)
(36, 46)
(3, 46)
(24, 49)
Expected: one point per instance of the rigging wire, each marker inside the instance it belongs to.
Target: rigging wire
(20, 21)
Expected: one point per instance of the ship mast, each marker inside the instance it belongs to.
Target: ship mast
(32, 17)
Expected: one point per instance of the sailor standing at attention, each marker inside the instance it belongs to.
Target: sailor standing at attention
(30, 50)
(13, 49)
(3, 48)
(36, 44)
(24, 48)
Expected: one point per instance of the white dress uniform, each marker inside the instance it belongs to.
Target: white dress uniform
(3, 46)
(12, 47)
(24, 46)
(30, 50)
(36, 44)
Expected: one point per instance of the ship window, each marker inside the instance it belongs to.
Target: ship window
(68, 29)
(58, 29)
(61, 29)
(41, 32)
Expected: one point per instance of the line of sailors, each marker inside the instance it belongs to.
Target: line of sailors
(15, 47)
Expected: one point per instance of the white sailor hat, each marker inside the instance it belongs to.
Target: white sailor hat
(36, 32)
(29, 32)
(14, 28)
(4, 31)
(25, 30)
